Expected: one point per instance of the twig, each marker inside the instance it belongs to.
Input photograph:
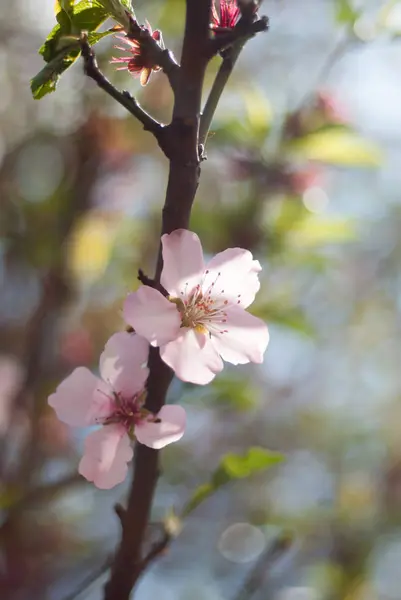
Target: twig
(151, 283)
(230, 45)
(335, 54)
(242, 31)
(90, 579)
(220, 82)
(262, 568)
(124, 98)
(156, 550)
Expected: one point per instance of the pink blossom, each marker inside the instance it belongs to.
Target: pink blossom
(140, 63)
(115, 401)
(203, 321)
(227, 16)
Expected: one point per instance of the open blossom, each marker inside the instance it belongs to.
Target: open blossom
(116, 402)
(139, 63)
(228, 17)
(203, 321)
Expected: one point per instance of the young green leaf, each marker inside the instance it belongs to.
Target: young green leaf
(233, 466)
(338, 146)
(61, 48)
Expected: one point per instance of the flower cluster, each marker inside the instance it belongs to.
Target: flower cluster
(199, 323)
(139, 63)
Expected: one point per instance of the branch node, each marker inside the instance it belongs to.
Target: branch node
(151, 283)
(91, 69)
(120, 512)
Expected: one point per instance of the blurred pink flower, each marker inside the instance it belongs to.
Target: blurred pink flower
(310, 176)
(330, 106)
(139, 63)
(204, 319)
(76, 347)
(228, 17)
(11, 377)
(116, 402)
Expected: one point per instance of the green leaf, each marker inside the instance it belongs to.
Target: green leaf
(338, 146)
(46, 80)
(345, 12)
(61, 47)
(200, 494)
(256, 459)
(88, 16)
(322, 231)
(118, 10)
(231, 467)
(285, 315)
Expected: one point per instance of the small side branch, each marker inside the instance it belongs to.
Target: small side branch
(223, 75)
(158, 549)
(124, 98)
(229, 44)
(151, 283)
(261, 571)
(243, 31)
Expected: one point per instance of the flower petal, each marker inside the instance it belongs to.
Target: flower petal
(245, 339)
(107, 452)
(145, 75)
(235, 276)
(183, 264)
(77, 401)
(193, 357)
(170, 428)
(152, 315)
(122, 362)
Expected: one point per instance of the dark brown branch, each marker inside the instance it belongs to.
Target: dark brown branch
(230, 44)
(90, 579)
(151, 283)
(182, 141)
(243, 31)
(156, 550)
(263, 566)
(124, 98)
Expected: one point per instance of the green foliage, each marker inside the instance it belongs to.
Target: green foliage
(61, 47)
(345, 13)
(233, 392)
(338, 146)
(232, 467)
(282, 314)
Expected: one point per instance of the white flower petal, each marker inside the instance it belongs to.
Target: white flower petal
(76, 400)
(245, 339)
(107, 452)
(152, 315)
(170, 428)
(122, 362)
(193, 357)
(234, 276)
(183, 264)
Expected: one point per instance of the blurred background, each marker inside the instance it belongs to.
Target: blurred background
(304, 170)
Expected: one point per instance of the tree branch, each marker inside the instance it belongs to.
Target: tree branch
(181, 138)
(230, 44)
(263, 566)
(124, 98)
(243, 31)
(220, 82)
